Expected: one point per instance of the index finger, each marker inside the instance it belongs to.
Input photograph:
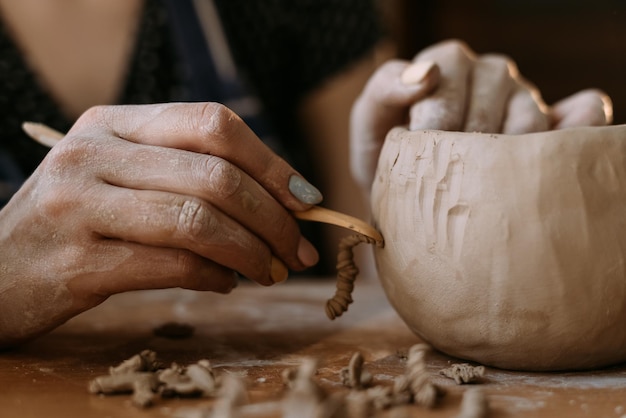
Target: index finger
(445, 108)
(208, 128)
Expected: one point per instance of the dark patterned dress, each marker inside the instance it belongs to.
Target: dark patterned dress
(282, 50)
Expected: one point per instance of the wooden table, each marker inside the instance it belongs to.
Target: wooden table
(256, 333)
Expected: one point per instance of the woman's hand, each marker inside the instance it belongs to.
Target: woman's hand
(142, 197)
(449, 87)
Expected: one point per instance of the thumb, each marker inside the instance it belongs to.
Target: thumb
(383, 104)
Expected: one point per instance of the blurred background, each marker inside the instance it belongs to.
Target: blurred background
(561, 45)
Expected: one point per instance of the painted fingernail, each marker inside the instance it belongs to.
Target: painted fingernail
(278, 270)
(304, 191)
(307, 254)
(417, 72)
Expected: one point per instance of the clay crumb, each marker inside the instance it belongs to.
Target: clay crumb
(301, 379)
(288, 376)
(415, 386)
(174, 331)
(134, 375)
(347, 272)
(474, 404)
(145, 361)
(141, 384)
(144, 377)
(381, 397)
(194, 380)
(354, 376)
(357, 404)
(463, 373)
(304, 397)
(232, 396)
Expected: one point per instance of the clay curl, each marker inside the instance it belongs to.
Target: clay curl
(347, 271)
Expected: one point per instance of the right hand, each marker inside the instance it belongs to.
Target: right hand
(449, 87)
(144, 197)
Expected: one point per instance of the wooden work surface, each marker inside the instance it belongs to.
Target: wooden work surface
(256, 333)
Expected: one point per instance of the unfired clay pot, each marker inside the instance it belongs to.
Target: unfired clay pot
(507, 250)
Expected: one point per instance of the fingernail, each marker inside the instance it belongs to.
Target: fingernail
(307, 254)
(304, 191)
(278, 270)
(417, 72)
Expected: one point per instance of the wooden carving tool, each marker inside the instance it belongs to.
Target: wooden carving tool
(320, 214)
(41, 133)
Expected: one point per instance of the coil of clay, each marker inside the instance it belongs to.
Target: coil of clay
(347, 271)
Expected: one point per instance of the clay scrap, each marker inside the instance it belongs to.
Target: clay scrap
(463, 373)
(474, 404)
(354, 376)
(149, 382)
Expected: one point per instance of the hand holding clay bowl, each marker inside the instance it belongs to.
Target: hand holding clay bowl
(507, 250)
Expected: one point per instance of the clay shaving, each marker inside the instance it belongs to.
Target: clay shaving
(141, 384)
(145, 361)
(144, 377)
(194, 380)
(346, 274)
(147, 380)
(231, 397)
(474, 404)
(304, 397)
(463, 373)
(354, 376)
(417, 382)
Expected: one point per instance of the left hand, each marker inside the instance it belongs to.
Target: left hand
(448, 87)
(146, 197)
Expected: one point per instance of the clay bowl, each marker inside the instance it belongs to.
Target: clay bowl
(507, 250)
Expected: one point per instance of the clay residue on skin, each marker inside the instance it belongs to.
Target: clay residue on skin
(224, 178)
(249, 202)
(36, 296)
(29, 307)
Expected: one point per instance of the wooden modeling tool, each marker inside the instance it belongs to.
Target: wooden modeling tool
(320, 214)
(41, 133)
